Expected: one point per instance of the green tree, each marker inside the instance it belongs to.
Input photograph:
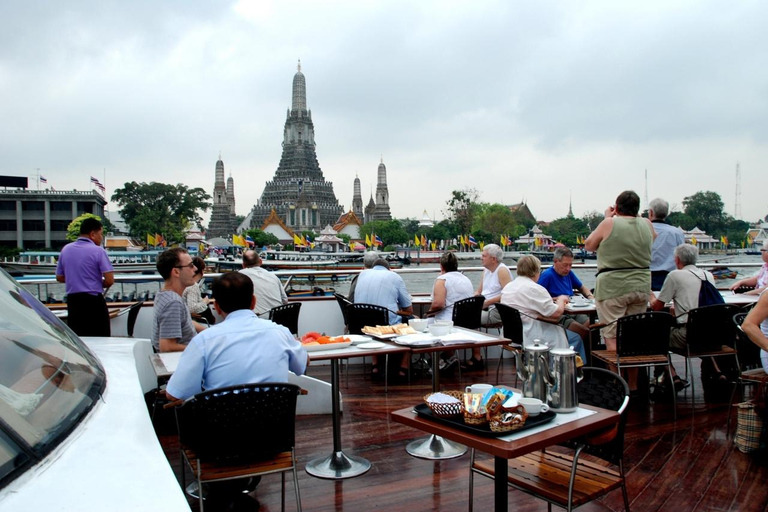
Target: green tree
(161, 208)
(592, 220)
(681, 220)
(390, 231)
(706, 209)
(261, 238)
(73, 230)
(566, 229)
(493, 220)
(462, 207)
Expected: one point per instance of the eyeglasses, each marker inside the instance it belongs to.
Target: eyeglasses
(763, 250)
(191, 265)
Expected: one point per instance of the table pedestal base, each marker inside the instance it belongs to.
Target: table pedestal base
(338, 465)
(435, 448)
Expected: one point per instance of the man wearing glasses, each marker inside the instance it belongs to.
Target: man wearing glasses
(172, 326)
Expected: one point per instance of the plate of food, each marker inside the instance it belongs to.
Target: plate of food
(388, 331)
(314, 341)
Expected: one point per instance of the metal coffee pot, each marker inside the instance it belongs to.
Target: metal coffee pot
(561, 376)
(532, 366)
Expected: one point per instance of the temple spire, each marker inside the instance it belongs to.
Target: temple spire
(299, 101)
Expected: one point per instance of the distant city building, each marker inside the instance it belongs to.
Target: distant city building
(223, 222)
(38, 219)
(298, 193)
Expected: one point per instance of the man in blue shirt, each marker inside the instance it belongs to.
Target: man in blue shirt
(559, 279)
(242, 349)
(382, 287)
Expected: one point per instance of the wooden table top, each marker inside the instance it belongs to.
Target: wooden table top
(510, 449)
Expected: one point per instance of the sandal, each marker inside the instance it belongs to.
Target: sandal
(473, 364)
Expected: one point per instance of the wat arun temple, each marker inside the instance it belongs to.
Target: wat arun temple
(298, 193)
(298, 196)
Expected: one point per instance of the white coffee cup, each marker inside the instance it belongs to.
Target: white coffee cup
(533, 406)
(478, 388)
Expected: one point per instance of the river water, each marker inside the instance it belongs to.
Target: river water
(417, 283)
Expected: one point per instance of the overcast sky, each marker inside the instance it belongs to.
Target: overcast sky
(533, 101)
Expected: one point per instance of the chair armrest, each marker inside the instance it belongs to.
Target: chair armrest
(175, 403)
(303, 391)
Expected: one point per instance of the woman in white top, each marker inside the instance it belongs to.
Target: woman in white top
(450, 287)
(755, 326)
(538, 308)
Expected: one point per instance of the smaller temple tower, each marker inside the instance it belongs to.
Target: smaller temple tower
(357, 199)
(231, 194)
(382, 195)
(370, 211)
(223, 223)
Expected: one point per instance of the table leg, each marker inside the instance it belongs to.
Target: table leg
(500, 484)
(435, 447)
(337, 465)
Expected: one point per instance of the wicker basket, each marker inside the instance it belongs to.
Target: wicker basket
(446, 410)
(497, 425)
(478, 418)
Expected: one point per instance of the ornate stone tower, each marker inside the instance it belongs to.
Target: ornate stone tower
(222, 222)
(382, 195)
(231, 194)
(357, 199)
(298, 192)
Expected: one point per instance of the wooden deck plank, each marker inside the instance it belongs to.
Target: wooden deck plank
(662, 457)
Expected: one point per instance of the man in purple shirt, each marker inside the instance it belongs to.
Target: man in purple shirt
(86, 270)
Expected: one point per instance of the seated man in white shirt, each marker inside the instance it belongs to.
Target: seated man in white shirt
(538, 311)
(240, 350)
(267, 288)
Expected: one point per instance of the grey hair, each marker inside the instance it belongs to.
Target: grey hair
(660, 208)
(369, 258)
(687, 254)
(495, 251)
(562, 252)
(528, 266)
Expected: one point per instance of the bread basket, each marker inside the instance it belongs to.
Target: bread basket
(446, 410)
(502, 422)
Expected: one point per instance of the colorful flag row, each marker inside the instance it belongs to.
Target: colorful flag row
(304, 241)
(155, 240)
(373, 240)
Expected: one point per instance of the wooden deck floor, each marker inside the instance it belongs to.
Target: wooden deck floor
(682, 465)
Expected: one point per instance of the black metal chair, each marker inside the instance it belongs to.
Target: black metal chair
(133, 315)
(566, 479)
(343, 303)
(239, 432)
(710, 332)
(359, 315)
(513, 330)
(467, 312)
(642, 340)
(287, 315)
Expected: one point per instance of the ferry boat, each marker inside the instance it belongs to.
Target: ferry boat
(44, 262)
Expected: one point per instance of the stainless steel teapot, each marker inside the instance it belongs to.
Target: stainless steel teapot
(561, 375)
(532, 366)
